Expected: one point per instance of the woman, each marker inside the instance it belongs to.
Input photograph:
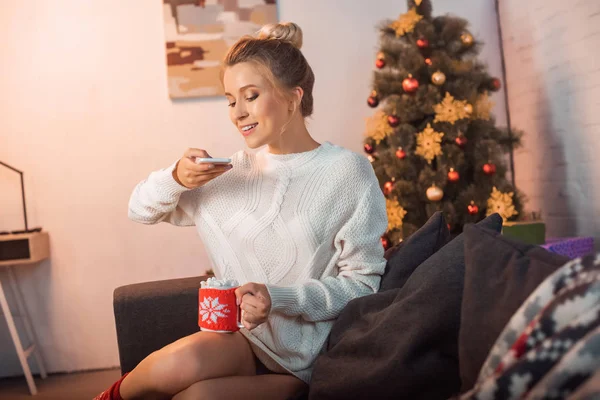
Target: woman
(298, 223)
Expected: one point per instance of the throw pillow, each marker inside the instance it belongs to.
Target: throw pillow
(410, 253)
(500, 273)
(404, 342)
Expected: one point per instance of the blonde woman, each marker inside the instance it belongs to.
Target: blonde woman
(298, 223)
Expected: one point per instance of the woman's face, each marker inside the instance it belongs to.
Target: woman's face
(255, 108)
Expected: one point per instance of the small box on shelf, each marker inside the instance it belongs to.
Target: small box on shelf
(531, 232)
(24, 248)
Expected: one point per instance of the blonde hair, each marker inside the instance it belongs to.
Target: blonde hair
(276, 51)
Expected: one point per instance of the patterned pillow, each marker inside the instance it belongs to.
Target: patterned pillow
(500, 273)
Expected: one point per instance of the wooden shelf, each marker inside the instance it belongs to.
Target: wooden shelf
(24, 248)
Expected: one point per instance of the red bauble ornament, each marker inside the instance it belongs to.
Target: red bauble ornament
(489, 168)
(453, 176)
(401, 154)
(423, 43)
(449, 227)
(385, 242)
(369, 149)
(428, 61)
(380, 63)
(473, 209)
(495, 84)
(461, 141)
(373, 100)
(393, 120)
(410, 84)
(388, 187)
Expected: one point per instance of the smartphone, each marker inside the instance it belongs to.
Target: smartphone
(199, 160)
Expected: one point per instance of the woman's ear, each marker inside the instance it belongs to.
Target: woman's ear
(296, 100)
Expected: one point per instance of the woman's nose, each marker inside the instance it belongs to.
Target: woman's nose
(240, 113)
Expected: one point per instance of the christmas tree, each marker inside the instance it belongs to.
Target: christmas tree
(433, 142)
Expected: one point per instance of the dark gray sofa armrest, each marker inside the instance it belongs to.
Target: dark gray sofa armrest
(151, 315)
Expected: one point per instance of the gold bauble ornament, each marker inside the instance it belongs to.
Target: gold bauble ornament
(467, 39)
(435, 193)
(501, 203)
(438, 78)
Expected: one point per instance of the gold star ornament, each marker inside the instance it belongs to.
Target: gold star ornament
(406, 22)
(378, 127)
(396, 214)
(429, 143)
(483, 107)
(450, 110)
(501, 203)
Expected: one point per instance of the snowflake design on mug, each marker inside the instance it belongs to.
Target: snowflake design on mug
(211, 310)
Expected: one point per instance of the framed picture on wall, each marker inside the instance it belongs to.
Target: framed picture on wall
(198, 34)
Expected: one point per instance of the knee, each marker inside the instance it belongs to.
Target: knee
(167, 370)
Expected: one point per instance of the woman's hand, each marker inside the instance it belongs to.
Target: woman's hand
(191, 175)
(255, 302)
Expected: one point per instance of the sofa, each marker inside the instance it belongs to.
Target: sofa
(445, 323)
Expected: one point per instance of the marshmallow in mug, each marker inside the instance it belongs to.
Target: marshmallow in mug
(219, 283)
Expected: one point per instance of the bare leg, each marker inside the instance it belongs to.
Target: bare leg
(260, 387)
(201, 356)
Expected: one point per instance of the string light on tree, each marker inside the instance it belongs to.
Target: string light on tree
(422, 43)
(501, 203)
(428, 61)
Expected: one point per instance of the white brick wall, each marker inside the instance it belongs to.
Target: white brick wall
(552, 51)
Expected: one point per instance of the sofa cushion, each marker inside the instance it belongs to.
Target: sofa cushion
(500, 273)
(403, 341)
(410, 253)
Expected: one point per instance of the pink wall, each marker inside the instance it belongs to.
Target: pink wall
(86, 114)
(553, 69)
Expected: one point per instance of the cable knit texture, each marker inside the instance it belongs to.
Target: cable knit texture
(308, 225)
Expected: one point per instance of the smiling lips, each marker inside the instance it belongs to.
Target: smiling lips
(248, 129)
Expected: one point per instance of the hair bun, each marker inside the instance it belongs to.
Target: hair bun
(285, 31)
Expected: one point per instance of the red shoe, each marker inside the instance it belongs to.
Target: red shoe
(112, 393)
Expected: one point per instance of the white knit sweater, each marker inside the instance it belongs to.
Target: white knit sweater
(308, 225)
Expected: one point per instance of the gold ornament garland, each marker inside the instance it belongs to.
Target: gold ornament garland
(396, 214)
(483, 107)
(406, 22)
(378, 127)
(501, 203)
(450, 110)
(429, 143)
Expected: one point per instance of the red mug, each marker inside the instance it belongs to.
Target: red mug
(218, 310)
